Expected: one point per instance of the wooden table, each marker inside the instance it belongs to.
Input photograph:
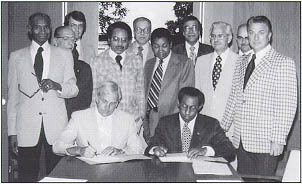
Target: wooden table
(132, 171)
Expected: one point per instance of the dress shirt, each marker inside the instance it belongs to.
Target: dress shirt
(247, 53)
(223, 56)
(165, 64)
(188, 46)
(113, 55)
(104, 129)
(45, 54)
(261, 54)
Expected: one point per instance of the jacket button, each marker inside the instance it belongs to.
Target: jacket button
(42, 99)
(40, 113)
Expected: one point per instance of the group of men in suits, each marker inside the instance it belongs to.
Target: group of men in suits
(141, 94)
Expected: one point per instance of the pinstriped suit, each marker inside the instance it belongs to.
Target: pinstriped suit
(265, 110)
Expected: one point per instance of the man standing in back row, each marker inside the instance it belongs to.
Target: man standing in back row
(243, 44)
(192, 48)
(262, 103)
(40, 76)
(142, 33)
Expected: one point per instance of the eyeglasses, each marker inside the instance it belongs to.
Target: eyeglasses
(117, 39)
(192, 108)
(142, 31)
(242, 38)
(218, 36)
(66, 38)
(193, 28)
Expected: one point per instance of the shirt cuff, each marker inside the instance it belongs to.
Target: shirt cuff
(210, 151)
(151, 151)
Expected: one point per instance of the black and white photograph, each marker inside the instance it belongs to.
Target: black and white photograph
(150, 91)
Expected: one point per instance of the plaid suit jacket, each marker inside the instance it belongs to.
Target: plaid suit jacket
(265, 110)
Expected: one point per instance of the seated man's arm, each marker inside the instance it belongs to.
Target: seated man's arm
(221, 144)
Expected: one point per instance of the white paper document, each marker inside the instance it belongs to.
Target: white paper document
(175, 157)
(219, 181)
(99, 159)
(51, 179)
(204, 167)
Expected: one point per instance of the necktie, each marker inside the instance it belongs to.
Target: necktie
(216, 71)
(192, 55)
(249, 70)
(38, 66)
(118, 59)
(186, 137)
(155, 86)
(75, 53)
(140, 51)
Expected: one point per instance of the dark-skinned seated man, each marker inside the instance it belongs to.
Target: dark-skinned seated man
(190, 132)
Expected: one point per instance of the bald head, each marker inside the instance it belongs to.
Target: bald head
(242, 39)
(64, 37)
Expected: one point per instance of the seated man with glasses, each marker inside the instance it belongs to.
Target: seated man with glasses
(102, 129)
(192, 48)
(214, 71)
(142, 34)
(190, 132)
(64, 38)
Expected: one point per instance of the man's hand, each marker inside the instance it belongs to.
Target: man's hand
(87, 151)
(48, 84)
(111, 151)
(160, 151)
(195, 152)
(276, 149)
(13, 144)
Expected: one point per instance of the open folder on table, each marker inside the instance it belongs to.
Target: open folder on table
(215, 168)
(99, 159)
(182, 157)
(51, 179)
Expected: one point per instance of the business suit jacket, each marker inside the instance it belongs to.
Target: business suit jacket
(179, 74)
(265, 110)
(82, 101)
(133, 48)
(215, 100)
(206, 132)
(83, 128)
(25, 114)
(203, 49)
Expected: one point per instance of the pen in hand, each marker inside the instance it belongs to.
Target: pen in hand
(95, 151)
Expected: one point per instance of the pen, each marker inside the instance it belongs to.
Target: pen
(92, 148)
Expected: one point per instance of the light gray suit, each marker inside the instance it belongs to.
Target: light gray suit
(179, 74)
(25, 114)
(133, 48)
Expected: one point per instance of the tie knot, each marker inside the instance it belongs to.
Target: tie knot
(118, 58)
(75, 45)
(40, 49)
(192, 49)
(218, 59)
(161, 61)
(253, 57)
(140, 48)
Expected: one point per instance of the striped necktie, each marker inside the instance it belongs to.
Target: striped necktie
(155, 86)
(186, 137)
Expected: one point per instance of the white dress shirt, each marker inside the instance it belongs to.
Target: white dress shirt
(104, 129)
(145, 51)
(164, 65)
(188, 46)
(223, 56)
(112, 54)
(45, 54)
(246, 53)
(261, 54)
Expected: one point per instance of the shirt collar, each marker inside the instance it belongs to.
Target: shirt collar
(167, 59)
(188, 46)
(35, 46)
(112, 54)
(191, 124)
(145, 46)
(99, 116)
(261, 53)
(247, 53)
(223, 56)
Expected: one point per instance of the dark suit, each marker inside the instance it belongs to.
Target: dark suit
(203, 49)
(207, 132)
(83, 74)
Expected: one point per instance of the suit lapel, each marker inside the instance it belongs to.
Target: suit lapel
(198, 131)
(199, 53)
(263, 66)
(176, 132)
(149, 67)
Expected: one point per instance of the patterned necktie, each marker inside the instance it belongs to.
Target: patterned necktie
(140, 51)
(75, 53)
(216, 71)
(249, 70)
(192, 55)
(155, 86)
(38, 66)
(186, 137)
(118, 59)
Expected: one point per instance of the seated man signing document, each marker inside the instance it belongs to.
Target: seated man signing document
(190, 132)
(101, 129)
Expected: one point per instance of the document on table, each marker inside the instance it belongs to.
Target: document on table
(204, 167)
(99, 159)
(220, 181)
(175, 157)
(51, 179)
